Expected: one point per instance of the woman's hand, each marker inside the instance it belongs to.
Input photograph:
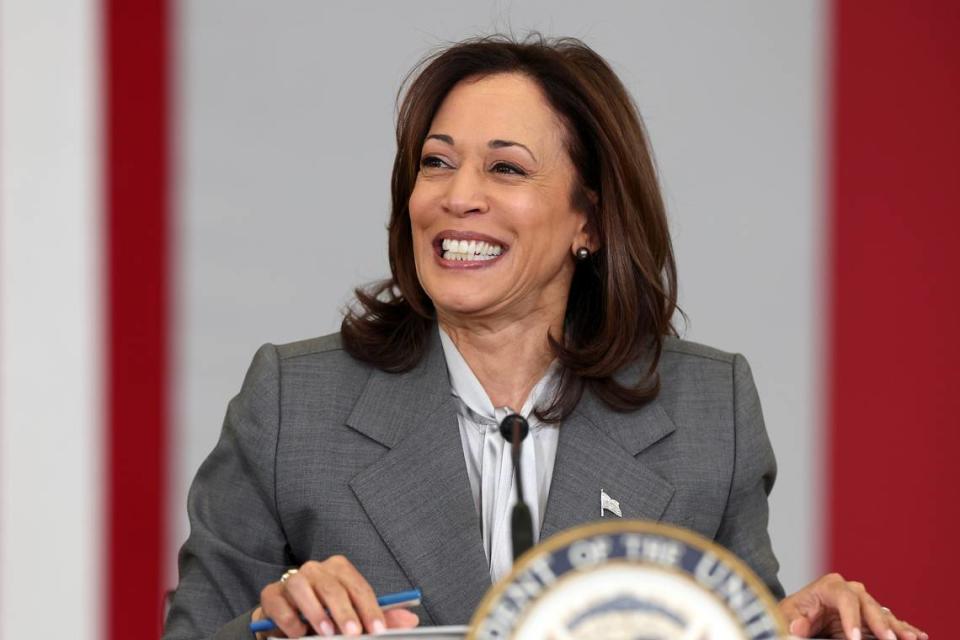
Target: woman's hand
(835, 608)
(333, 585)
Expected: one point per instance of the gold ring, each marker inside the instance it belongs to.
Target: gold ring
(287, 574)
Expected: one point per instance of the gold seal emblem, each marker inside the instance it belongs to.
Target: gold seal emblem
(628, 579)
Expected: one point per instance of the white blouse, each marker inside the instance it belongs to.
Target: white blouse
(487, 455)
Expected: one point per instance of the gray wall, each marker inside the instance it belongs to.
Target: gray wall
(286, 141)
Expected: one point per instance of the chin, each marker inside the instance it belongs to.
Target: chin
(463, 302)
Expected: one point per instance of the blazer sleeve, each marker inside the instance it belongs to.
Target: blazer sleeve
(236, 544)
(743, 528)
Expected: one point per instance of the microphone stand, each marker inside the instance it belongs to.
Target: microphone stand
(514, 428)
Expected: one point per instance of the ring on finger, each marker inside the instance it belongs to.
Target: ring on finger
(289, 573)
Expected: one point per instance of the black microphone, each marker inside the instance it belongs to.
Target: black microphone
(514, 429)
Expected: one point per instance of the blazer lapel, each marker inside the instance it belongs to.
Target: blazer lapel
(418, 495)
(596, 452)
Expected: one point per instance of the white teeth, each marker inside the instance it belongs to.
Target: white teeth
(450, 255)
(469, 250)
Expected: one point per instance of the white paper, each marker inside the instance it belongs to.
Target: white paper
(458, 632)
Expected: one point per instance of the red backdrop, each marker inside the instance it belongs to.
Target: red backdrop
(894, 345)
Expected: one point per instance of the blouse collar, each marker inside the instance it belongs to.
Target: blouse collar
(465, 386)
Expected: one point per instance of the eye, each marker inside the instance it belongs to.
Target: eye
(508, 169)
(432, 162)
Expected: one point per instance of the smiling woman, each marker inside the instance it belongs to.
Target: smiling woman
(531, 272)
(538, 151)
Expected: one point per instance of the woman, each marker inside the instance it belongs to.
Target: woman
(532, 271)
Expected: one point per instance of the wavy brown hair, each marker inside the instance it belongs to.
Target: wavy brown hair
(622, 299)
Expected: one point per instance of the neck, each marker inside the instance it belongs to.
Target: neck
(507, 357)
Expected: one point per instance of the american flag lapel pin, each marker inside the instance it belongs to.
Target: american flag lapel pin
(609, 504)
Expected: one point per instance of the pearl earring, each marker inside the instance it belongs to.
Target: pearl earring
(581, 254)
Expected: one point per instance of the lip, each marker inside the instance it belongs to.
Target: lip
(466, 235)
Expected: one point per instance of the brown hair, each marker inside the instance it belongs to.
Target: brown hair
(622, 299)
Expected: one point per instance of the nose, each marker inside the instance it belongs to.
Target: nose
(465, 193)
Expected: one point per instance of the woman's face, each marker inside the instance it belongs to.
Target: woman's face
(493, 226)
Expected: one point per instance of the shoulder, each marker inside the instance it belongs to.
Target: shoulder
(683, 358)
(693, 372)
(322, 356)
(315, 347)
(315, 363)
(694, 352)
(304, 381)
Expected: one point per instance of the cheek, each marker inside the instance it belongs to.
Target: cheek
(551, 225)
(421, 220)
(419, 206)
(415, 207)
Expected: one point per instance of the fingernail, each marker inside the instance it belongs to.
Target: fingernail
(378, 627)
(326, 629)
(351, 628)
(890, 635)
(924, 636)
(855, 634)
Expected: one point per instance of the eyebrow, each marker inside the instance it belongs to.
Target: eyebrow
(493, 144)
(499, 144)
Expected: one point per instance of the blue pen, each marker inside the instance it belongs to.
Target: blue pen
(390, 601)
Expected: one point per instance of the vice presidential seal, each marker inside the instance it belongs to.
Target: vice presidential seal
(628, 580)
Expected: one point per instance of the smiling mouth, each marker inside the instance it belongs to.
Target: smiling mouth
(453, 249)
(467, 247)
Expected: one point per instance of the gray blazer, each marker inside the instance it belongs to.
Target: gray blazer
(321, 454)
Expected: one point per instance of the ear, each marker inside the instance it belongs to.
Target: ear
(586, 235)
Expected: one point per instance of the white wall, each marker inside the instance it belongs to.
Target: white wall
(286, 142)
(50, 319)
